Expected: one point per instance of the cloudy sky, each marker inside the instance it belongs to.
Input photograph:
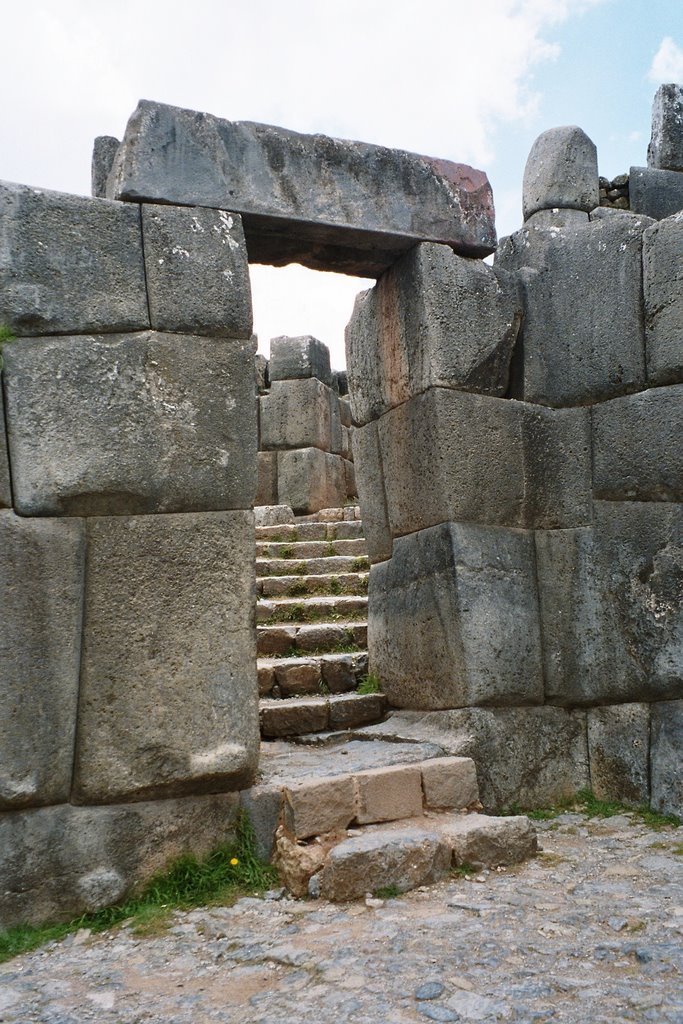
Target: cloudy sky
(469, 81)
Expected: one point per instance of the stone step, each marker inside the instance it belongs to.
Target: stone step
(313, 638)
(327, 673)
(347, 514)
(296, 550)
(311, 566)
(294, 716)
(296, 586)
(310, 609)
(289, 532)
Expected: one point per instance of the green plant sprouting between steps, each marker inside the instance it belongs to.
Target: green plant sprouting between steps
(585, 802)
(6, 335)
(369, 684)
(229, 872)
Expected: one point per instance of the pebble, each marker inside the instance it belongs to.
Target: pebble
(590, 931)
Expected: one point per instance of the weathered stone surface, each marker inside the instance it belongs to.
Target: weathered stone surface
(350, 710)
(266, 478)
(637, 452)
(327, 203)
(129, 424)
(261, 371)
(386, 794)
(619, 748)
(449, 782)
(293, 717)
(168, 696)
(557, 218)
(490, 842)
(263, 805)
(339, 672)
(41, 596)
(350, 478)
(69, 264)
(655, 193)
(433, 320)
(384, 857)
(666, 756)
(296, 863)
(448, 455)
(197, 271)
(612, 605)
(666, 143)
(5, 485)
(369, 473)
(663, 288)
(103, 153)
(301, 678)
(315, 806)
(301, 357)
(453, 619)
(300, 414)
(562, 171)
(57, 862)
(310, 479)
(584, 343)
(273, 515)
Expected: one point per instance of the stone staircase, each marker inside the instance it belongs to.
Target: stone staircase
(312, 581)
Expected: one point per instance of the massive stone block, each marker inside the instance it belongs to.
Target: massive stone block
(583, 343)
(663, 288)
(637, 451)
(433, 319)
(197, 271)
(655, 193)
(372, 491)
(449, 455)
(168, 699)
(69, 264)
(128, 424)
(300, 414)
(666, 143)
(41, 596)
(57, 862)
(454, 620)
(619, 750)
(561, 171)
(326, 203)
(297, 358)
(103, 153)
(309, 479)
(266, 489)
(666, 756)
(5, 484)
(612, 605)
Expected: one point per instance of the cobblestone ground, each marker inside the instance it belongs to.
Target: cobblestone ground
(590, 931)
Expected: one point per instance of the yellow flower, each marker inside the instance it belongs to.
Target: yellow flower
(234, 861)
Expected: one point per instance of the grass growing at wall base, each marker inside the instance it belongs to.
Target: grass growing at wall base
(229, 872)
(586, 802)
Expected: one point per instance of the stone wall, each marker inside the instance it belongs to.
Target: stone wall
(518, 457)
(305, 459)
(128, 706)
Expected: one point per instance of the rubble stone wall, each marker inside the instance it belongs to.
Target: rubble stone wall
(128, 438)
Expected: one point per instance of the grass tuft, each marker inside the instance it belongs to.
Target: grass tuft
(229, 872)
(585, 802)
(464, 870)
(387, 892)
(369, 684)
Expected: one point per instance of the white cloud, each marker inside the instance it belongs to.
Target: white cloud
(667, 63)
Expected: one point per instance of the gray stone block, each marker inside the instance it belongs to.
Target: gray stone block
(103, 153)
(655, 193)
(41, 595)
(5, 483)
(637, 454)
(261, 369)
(453, 619)
(129, 424)
(300, 414)
(59, 862)
(327, 203)
(168, 698)
(666, 143)
(69, 264)
(434, 319)
(297, 358)
(266, 487)
(619, 748)
(663, 288)
(562, 171)
(584, 343)
(350, 478)
(666, 756)
(449, 455)
(309, 479)
(612, 605)
(197, 271)
(371, 491)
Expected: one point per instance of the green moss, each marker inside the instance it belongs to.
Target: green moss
(585, 802)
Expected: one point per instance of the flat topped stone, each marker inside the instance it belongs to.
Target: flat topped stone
(329, 204)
